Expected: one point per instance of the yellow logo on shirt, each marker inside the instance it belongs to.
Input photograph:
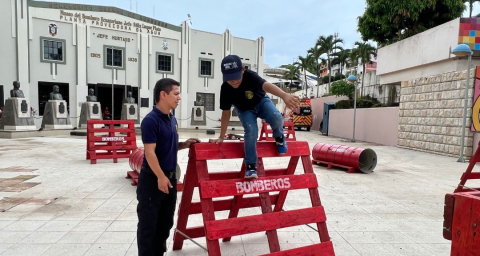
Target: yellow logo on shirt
(249, 94)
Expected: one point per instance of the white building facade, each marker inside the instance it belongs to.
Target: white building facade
(78, 47)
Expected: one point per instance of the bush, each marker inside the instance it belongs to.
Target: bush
(342, 88)
(338, 77)
(344, 104)
(361, 103)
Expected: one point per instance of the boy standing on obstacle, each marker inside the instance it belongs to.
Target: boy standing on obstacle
(245, 90)
(156, 189)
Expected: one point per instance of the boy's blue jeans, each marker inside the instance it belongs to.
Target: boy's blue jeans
(265, 110)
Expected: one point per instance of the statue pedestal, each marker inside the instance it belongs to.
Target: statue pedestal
(56, 116)
(90, 111)
(130, 112)
(198, 116)
(16, 115)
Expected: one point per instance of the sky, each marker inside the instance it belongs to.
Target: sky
(289, 28)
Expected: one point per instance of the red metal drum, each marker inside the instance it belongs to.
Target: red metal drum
(136, 159)
(361, 159)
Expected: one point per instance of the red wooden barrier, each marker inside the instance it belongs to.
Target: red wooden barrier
(466, 224)
(227, 184)
(110, 142)
(468, 174)
(288, 132)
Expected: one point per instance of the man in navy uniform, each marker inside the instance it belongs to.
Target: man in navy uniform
(157, 190)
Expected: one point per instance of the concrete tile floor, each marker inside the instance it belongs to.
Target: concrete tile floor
(396, 210)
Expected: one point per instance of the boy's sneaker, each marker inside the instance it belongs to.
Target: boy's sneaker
(281, 145)
(251, 172)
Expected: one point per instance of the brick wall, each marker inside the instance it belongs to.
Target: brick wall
(431, 110)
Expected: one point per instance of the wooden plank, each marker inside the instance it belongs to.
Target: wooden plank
(315, 199)
(266, 206)
(448, 216)
(322, 249)
(235, 207)
(208, 212)
(268, 221)
(109, 122)
(224, 205)
(105, 130)
(212, 189)
(235, 175)
(473, 161)
(229, 150)
(103, 139)
(465, 226)
(472, 176)
(292, 165)
(190, 181)
(116, 147)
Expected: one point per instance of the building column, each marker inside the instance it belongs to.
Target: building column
(81, 87)
(21, 18)
(184, 67)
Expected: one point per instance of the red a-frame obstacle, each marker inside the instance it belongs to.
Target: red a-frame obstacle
(223, 184)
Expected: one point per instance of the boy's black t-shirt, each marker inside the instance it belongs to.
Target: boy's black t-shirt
(246, 96)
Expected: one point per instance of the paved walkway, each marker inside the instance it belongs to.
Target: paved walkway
(56, 203)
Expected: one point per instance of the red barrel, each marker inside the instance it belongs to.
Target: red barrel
(136, 159)
(361, 159)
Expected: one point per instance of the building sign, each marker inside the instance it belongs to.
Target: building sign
(475, 127)
(469, 32)
(52, 29)
(99, 21)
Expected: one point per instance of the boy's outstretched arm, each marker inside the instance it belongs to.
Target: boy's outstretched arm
(223, 130)
(291, 101)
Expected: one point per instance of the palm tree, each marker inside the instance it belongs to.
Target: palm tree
(470, 5)
(304, 63)
(292, 73)
(329, 46)
(341, 58)
(315, 53)
(364, 51)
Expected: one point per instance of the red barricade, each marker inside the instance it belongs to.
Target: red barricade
(465, 223)
(110, 142)
(288, 132)
(225, 184)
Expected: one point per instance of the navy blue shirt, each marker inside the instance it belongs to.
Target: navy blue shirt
(161, 129)
(246, 96)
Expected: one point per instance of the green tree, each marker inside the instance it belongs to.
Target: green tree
(389, 21)
(303, 63)
(341, 58)
(315, 53)
(292, 73)
(342, 88)
(329, 45)
(363, 52)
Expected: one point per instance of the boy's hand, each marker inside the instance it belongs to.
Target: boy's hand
(216, 141)
(291, 101)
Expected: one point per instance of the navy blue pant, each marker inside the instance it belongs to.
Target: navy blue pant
(155, 212)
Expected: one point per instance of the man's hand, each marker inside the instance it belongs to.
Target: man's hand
(216, 141)
(291, 101)
(164, 184)
(191, 141)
